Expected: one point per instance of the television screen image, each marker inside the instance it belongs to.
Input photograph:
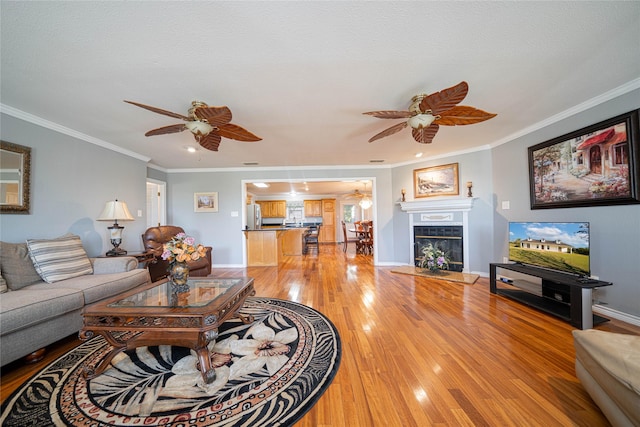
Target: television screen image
(561, 246)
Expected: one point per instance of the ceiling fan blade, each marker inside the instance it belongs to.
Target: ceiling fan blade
(159, 111)
(425, 135)
(167, 129)
(463, 115)
(390, 131)
(215, 116)
(236, 132)
(389, 114)
(445, 99)
(210, 141)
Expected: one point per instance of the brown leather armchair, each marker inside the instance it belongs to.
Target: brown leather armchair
(155, 237)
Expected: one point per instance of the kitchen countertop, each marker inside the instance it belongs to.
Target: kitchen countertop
(278, 228)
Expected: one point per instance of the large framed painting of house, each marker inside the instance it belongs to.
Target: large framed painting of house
(593, 166)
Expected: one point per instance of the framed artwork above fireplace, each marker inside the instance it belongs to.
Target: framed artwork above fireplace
(436, 181)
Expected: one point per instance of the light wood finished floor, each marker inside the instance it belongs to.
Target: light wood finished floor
(421, 352)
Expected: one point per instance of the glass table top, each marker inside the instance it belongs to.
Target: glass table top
(201, 291)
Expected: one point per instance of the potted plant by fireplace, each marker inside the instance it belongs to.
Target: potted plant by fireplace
(434, 259)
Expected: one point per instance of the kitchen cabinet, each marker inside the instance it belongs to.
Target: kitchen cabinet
(291, 241)
(266, 247)
(312, 208)
(273, 208)
(262, 248)
(328, 229)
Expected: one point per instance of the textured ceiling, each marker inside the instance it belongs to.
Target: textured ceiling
(300, 74)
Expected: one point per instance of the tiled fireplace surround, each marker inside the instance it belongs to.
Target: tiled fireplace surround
(440, 212)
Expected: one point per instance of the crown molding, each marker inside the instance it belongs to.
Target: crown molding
(39, 121)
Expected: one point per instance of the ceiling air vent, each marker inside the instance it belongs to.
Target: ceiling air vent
(250, 163)
(376, 161)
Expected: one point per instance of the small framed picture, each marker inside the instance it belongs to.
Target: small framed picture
(205, 202)
(436, 181)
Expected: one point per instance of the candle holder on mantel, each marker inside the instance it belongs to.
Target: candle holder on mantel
(403, 194)
(469, 185)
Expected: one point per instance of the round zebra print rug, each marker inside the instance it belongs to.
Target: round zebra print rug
(268, 373)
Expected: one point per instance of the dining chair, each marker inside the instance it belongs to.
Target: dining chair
(344, 236)
(311, 239)
(364, 244)
(368, 241)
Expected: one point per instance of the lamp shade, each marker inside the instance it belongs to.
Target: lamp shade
(116, 211)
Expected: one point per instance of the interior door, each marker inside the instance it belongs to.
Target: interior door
(156, 203)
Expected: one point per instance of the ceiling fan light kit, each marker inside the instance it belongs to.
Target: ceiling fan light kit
(199, 128)
(427, 112)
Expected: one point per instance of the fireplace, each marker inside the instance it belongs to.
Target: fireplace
(440, 220)
(449, 238)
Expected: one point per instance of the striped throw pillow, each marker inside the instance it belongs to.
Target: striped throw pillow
(59, 259)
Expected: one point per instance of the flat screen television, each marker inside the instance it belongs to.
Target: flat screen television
(560, 246)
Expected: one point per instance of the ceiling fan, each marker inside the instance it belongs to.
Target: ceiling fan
(208, 124)
(428, 112)
(357, 194)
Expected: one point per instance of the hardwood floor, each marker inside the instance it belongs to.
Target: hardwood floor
(420, 352)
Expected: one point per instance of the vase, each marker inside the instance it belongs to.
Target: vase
(179, 274)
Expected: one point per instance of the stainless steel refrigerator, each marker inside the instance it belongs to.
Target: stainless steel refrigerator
(254, 217)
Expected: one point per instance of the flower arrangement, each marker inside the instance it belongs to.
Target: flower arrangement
(434, 258)
(182, 248)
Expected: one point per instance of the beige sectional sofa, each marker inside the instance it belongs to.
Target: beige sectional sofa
(42, 298)
(608, 366)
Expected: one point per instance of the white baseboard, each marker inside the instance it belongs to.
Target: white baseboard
(618, 315)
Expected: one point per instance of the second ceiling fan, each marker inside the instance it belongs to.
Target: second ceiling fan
(428, 112)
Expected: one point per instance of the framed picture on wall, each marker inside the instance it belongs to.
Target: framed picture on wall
(436, 181)
(205, 202)
(593, 166)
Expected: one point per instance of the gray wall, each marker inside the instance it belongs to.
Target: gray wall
(615, 230)
(71, 180)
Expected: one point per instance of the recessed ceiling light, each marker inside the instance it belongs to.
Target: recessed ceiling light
(261, 184)
(191, 149)
(418, 155)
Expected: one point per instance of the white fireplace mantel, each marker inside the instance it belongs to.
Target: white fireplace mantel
(441, 211)
(436, 205)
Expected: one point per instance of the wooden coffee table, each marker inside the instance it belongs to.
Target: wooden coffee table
(155, 314)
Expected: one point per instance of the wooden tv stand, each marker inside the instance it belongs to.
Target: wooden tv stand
(562, 295)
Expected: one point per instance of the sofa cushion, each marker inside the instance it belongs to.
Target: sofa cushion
(95, 287)
(59, 259)
(3, 284)
(608, 366)
(34, 305)
(17, 268)
(618, 354)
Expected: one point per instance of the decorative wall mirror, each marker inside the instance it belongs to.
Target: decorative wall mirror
(15, 172)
